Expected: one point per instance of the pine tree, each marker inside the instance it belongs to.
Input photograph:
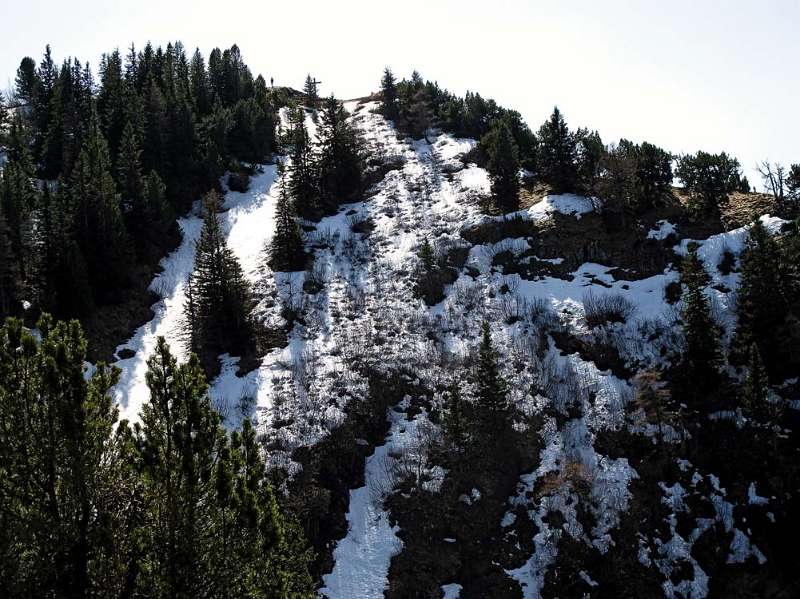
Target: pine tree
(709, 179)
(762, 301)
(286, 247)
(310, 90)
(756, 387)
(222, 299)
(302, 183)
(503, 167)
(455, 420)
(389, 93)
(699, 366)
(339, 164)
(99, 227)
(557, 154)
(59, 465)
(9, 273)
(491, 388)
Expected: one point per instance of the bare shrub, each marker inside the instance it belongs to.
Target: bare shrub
(606, 308)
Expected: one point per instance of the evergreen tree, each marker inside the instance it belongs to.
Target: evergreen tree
(220, 316)
(302, 183)
(557, 154)
(761, 301)
(340, 163)
(214, 527)
(9, 273)
(756, 387)
(491, 388)
(310, 90)
(60, 507)
(590, 155)
(286, 247)
(455, 420)
(699, 366)
(503, 167)
(709, 179)
(389, 93)
(26, 81)
(99, 228)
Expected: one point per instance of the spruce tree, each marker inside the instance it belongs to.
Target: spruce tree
(339, 163)
(98, 224)
(503, 167)
(762, 301)
(455, 422)
(285, 249)
(701, 360)
(557, 154)
(310, 90)
(9, 273)
(302, 183)
(491, 388)
(220, 316)
(389, 93)
(756, 387)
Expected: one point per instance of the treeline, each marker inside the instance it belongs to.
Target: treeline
(170, 507)
(97, 169)
(629, 178)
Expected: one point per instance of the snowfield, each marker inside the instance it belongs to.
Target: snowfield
(365, 313)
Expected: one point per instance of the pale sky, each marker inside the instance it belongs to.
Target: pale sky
(686, 75)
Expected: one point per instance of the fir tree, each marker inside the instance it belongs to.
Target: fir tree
(756, 387)
(220, 316)
(455, 420)
(761, 302)
(557, 154)
(491, 388)
(503, 167)
(699, 366)
(286, 247)
(389, 93)
(302, 183)
(9, 273)
(339, 164)
(310, 90)
(99, 227)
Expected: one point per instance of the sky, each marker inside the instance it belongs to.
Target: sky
(686, 75)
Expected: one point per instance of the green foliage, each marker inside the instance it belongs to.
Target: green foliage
(455, 423)
(762, 297)
(698, 369)
(709, 179)
(756, 387)
(503, 166)
(285, 250)
(389, 93)
(491, 392)
(89, 508)
(339, 160)
(557, 154)
(219, 301)
(310, 90)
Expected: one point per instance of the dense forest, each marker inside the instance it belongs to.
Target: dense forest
(510, 440)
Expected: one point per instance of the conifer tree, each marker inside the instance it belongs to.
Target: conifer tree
(557, 154)
(302, 182)
(761, 302)
(756, 386)
(389, 93)
(310, 90)
(709, 179)
(455, 420)
(503, 167)
(286, 247)
(220, 317)
(339, 164)
(9, 273)
(491, 388)
(59, 466)
(699, 366)
(99, 227)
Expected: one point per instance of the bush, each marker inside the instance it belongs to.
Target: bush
(605, 308)
(238, 182)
